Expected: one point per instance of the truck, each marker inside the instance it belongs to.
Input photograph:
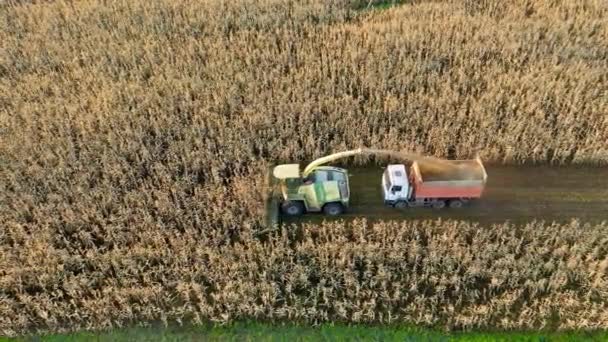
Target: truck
(449, 183)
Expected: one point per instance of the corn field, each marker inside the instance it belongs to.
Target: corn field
(135, 138)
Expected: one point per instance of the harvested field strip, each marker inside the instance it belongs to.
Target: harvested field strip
(518, 194)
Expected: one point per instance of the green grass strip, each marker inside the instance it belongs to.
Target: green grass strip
(293, 332)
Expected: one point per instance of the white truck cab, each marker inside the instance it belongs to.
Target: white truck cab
(396, 188)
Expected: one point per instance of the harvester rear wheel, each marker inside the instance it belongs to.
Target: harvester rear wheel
(333, 209)
(292, 208)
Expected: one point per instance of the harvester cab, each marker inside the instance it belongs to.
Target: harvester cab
(319, 188)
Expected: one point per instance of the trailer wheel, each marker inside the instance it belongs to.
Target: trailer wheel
(413, 204)
(333, 209)
(438, 205)
(401, 205)
(292, 208)
(456, 204)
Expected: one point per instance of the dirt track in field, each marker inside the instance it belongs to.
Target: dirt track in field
(517, 194)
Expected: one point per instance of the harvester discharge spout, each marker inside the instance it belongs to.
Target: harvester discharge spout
(366, 151)
(323, 160)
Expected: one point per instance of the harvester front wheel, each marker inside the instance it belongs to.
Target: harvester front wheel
(333, 209)
(292, 208)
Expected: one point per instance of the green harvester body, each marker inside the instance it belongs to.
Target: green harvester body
(319, 188)
(313, 189)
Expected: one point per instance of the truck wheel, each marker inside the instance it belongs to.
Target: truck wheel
(333, 209)
(413, 204)
(438, 205)
(455, 204)
(292, 208)
(401, 205)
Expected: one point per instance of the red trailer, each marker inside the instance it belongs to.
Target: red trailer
(452, 182)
